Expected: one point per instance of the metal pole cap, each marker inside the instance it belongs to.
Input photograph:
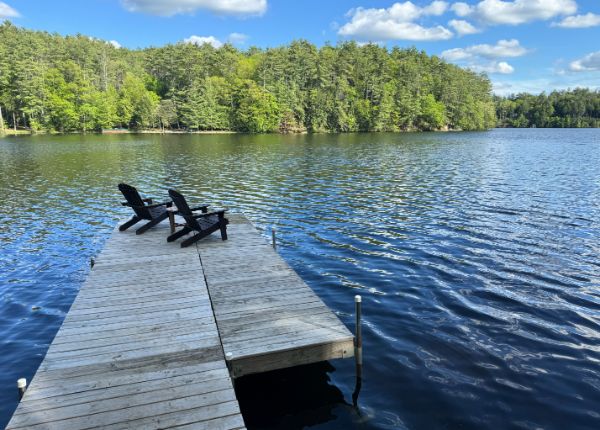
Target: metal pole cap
(357, 299)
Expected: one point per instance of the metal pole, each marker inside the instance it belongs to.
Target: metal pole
(274, 238)
(22, 386)
(358, 350)
(358, 337)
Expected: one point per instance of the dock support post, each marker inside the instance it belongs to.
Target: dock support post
(358, 350)
(22, 386)
(274, 238)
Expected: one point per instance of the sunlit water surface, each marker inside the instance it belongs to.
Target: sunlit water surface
(477, 255)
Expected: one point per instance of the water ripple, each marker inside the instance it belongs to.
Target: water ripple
(476, 255)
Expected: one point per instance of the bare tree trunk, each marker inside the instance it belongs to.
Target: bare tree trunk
(14, 122)
(1, 121)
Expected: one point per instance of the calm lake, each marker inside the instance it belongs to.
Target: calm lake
(477, 256)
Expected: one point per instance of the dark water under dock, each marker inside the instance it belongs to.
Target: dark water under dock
(476, 255)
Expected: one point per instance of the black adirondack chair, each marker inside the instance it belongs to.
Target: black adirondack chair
(144, 209)
(204, 223)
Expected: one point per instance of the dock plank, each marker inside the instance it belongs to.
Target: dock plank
(261, 306)
(139, 347)
(144, 343)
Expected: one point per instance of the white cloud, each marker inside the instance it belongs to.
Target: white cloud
(115, 43)
(486, 58)
(589, 63)
(174, 7)
(395, 23)
(544, 83)
(501, 67)
(462, 27)
(237, 38)
(462, 9)
(515, 12)
(503, 49)
(8, 12)
(201, 40)
(435, 8)
(579, 21)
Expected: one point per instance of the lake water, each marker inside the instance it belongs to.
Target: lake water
(477, 256)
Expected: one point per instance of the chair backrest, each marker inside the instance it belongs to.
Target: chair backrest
(135, 200)
(184, 210)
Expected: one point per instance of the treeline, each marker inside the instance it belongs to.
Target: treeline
(75, 83)
(559, 109)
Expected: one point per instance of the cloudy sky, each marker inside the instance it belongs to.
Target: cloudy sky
(524, 45)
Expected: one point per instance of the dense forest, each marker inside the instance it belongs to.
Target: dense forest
(559, 109)
(53, 83)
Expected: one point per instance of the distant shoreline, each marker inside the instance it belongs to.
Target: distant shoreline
(159, 131)
(11, 132)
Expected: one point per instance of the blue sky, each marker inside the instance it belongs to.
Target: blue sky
(524, 45)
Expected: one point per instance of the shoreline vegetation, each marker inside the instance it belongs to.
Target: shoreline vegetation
(577, 108)
(77, 84)
(28, 132)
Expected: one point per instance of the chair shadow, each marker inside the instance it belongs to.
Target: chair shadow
(293, 398)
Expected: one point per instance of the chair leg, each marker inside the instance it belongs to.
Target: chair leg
(210, 230)
(194, 238)
(152, 223)
(129, 223)
(223, 228)
(178, 234)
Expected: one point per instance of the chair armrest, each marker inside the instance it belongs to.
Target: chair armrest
(155, 205)
(220, 212)
(200, 208)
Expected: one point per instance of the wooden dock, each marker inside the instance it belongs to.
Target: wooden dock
(157, 333)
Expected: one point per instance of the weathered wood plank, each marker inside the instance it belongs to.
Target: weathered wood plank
(114, 346)
(143, 343)
(100, 373)
(216, 390)
(152, 412)
(264, 309)
(138, 349)
(79, 386)
(289, 358)
(121, 333)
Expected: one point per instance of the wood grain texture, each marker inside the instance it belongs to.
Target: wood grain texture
(139, 347)
(143, 343)
(268, 318)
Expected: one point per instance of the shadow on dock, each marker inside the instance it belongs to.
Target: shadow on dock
(292, 398)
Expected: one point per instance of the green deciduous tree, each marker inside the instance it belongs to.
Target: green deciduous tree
(574, 108)
(255, 109)
(75, 83)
